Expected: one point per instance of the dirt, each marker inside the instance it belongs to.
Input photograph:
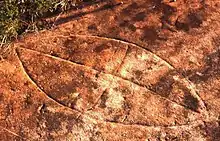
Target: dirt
(119, 70)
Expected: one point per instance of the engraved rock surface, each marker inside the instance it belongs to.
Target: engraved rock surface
(141, 70)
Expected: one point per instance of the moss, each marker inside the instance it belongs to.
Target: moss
(19, 16)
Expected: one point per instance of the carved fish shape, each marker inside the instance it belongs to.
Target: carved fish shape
(111, 80)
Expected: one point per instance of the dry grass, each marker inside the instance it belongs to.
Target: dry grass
(21, 16)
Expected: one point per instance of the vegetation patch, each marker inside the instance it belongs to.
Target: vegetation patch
(19, 16)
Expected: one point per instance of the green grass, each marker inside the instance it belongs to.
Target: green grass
(19, 16)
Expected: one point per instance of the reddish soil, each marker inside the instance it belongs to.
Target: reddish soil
(133, 70)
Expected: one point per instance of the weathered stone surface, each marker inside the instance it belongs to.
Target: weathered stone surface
(141, 70)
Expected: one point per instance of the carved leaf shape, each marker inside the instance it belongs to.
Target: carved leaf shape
(111, 80)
